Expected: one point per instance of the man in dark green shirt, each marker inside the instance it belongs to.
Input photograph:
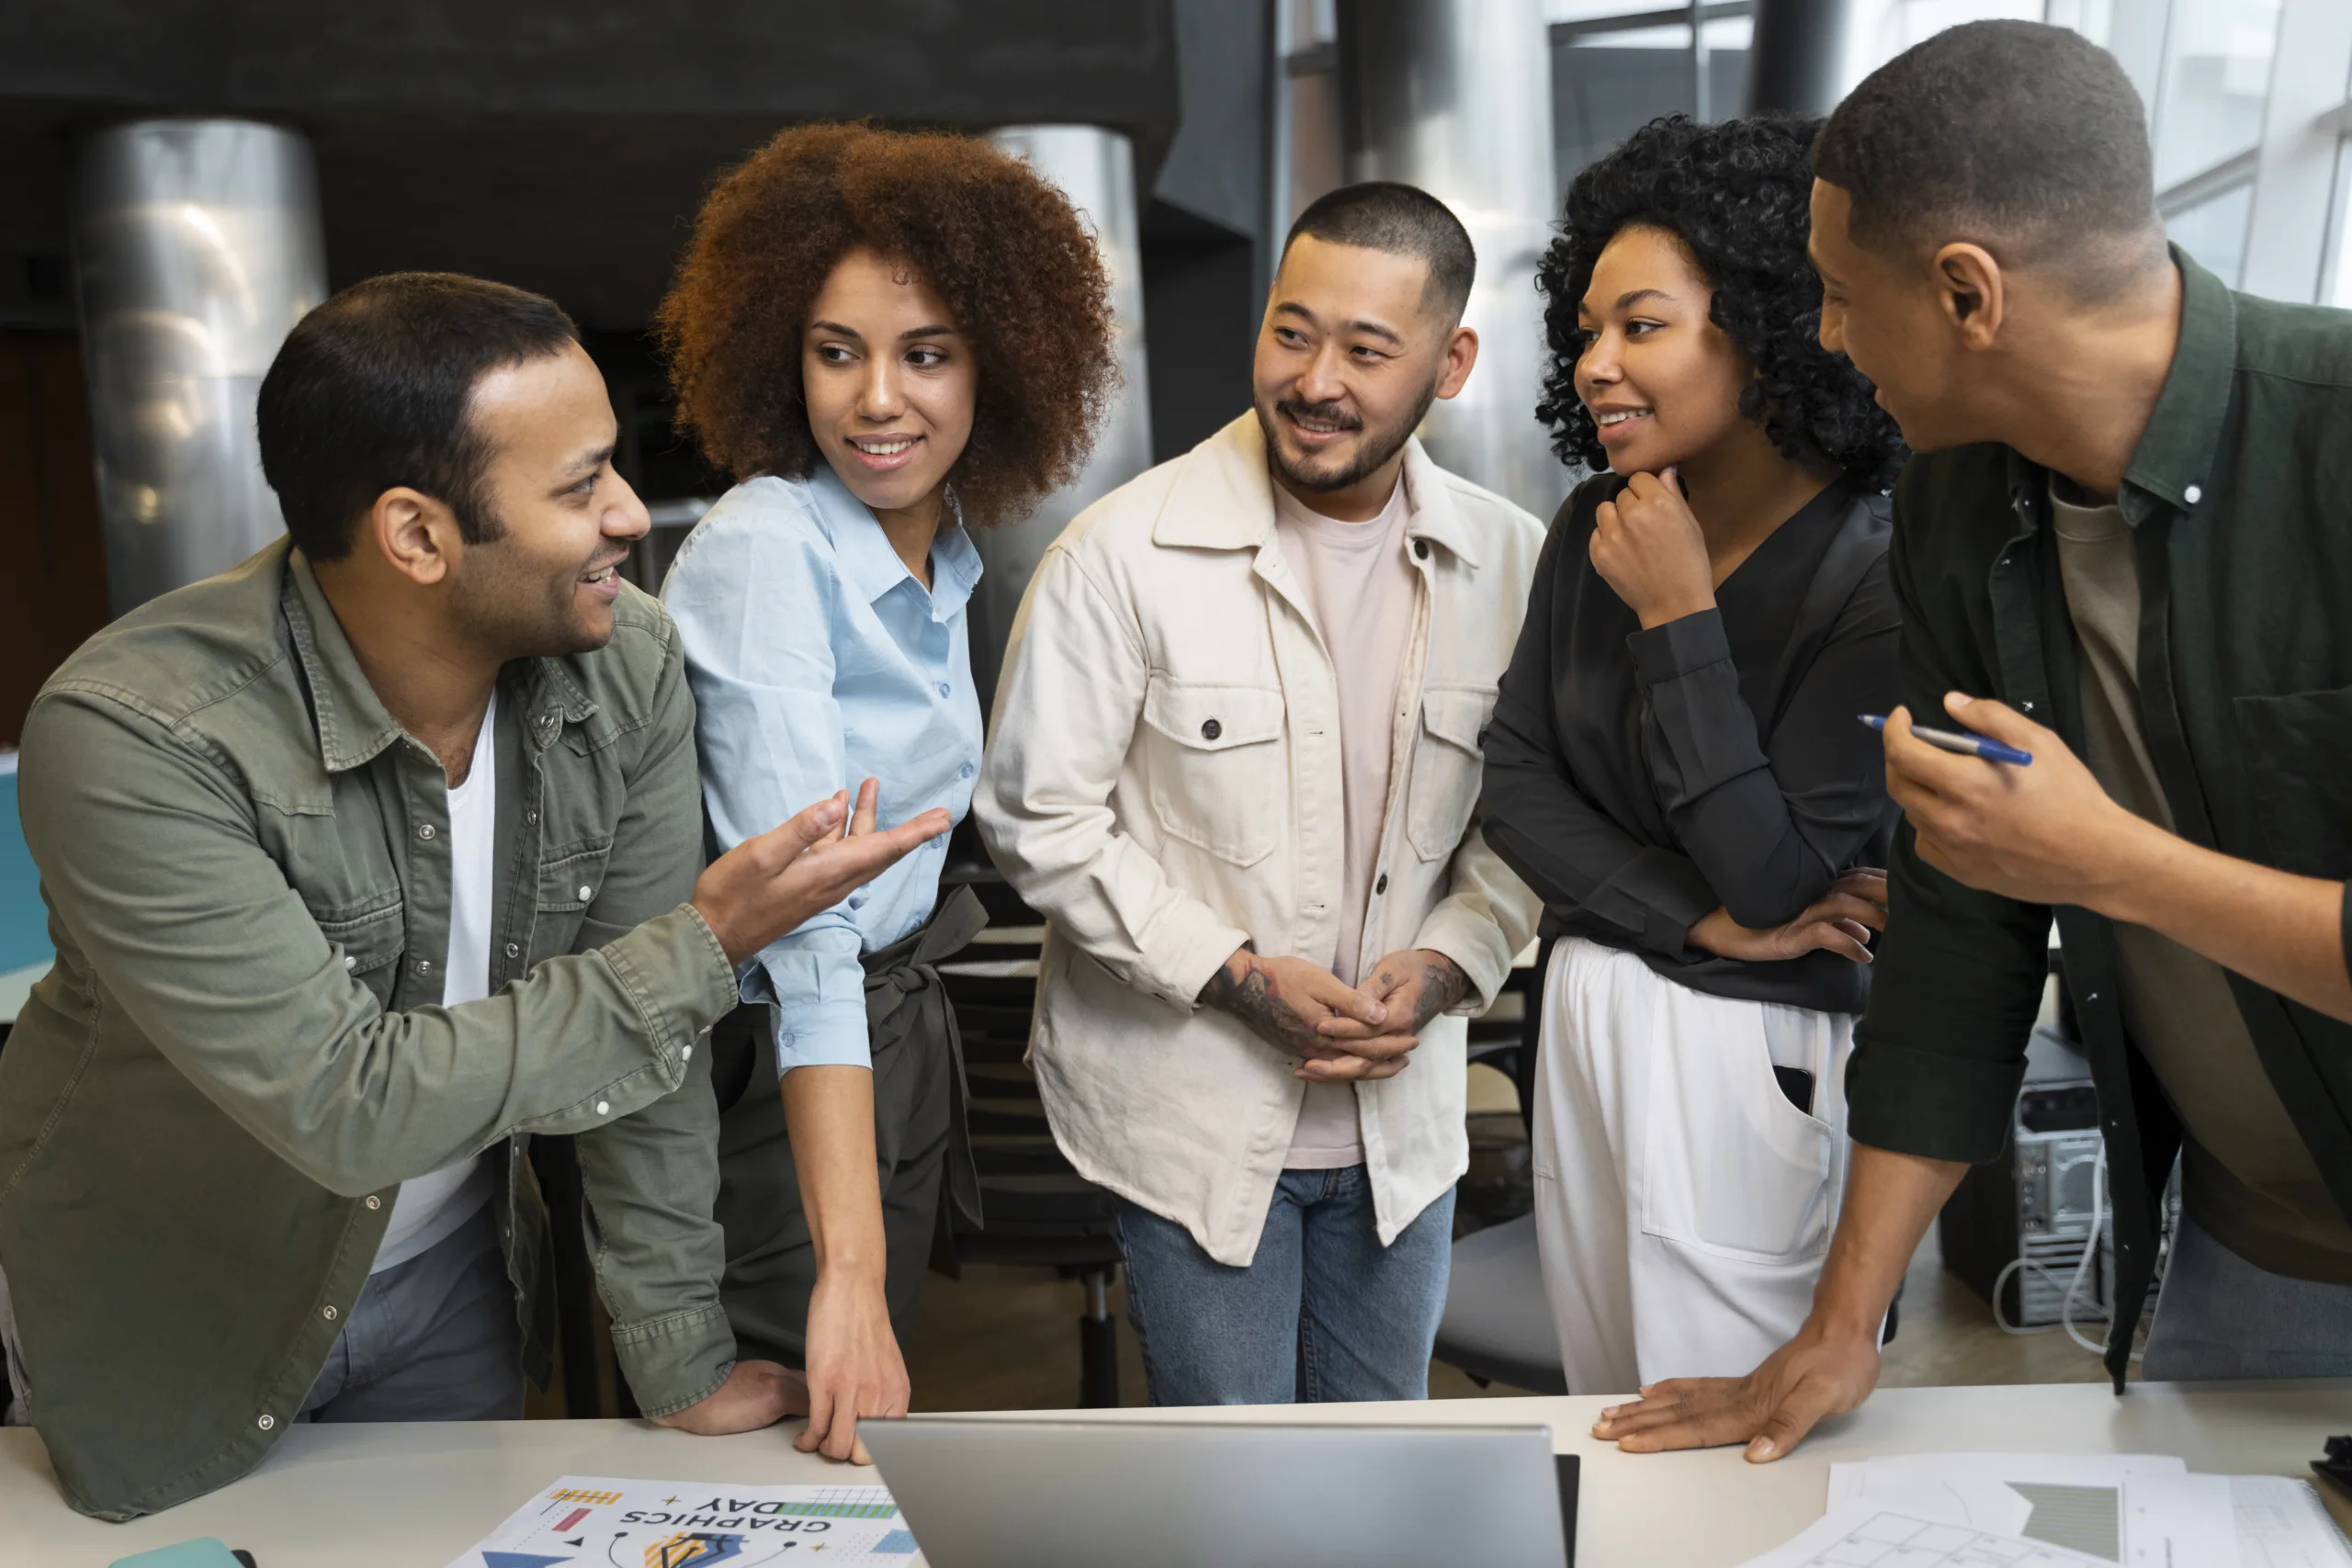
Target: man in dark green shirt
(2123, 548)
(365, 861)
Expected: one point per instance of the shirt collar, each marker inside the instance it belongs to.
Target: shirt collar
(870, 568)
(354, 725)
(1224, 498)
(2175, 458)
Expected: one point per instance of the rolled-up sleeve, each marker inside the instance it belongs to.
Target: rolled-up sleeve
(754, 599)
(1940, 1054)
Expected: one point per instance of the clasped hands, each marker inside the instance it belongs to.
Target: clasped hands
(1346, 1033)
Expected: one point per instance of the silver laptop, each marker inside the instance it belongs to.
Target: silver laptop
(996, 1491)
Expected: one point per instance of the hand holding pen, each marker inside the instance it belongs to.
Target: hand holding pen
(2046, 833)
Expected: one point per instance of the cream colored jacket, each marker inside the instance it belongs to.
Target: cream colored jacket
(1163, 782)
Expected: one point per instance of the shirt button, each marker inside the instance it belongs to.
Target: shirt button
(424, 831)
(2192, 495)
(514, 950)
(531, 815)
(1211, 729)
(603, 1107)
(424, 967)
(374, 1201)
(1422, 548)
(964, 772)
(266, 1422)
(1381, 886)
(349, 962)
(583, 891)
(686, 1053)
(943, 689)
(328, 1315)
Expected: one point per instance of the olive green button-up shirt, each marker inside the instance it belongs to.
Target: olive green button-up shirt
(2239, 496)
(209, 1105)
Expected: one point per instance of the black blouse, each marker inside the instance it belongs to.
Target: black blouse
(1637, 780)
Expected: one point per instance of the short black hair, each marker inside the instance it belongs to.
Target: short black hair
(2013, 134)
(1737, 196)
(1404, 221)
(370, 391)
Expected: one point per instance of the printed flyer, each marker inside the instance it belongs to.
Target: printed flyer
(597, 1522)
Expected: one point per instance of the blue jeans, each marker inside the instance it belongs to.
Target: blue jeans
(1323, 1312)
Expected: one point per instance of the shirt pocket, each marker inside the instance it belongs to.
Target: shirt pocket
(1729, 1165)
(569, 876)
(1214, 759)
(2294, 748)
(369, 940)
(1447, 765)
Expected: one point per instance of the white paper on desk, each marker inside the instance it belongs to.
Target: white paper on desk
(1860, 1533)
(597, 1522)
(2282, 1524)
(2133, 1510)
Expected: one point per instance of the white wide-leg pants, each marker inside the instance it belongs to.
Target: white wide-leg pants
(1683, 1204)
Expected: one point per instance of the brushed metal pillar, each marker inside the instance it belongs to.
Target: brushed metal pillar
(1096, 169)
(1456, 97)
(1799, 64)
(196, 248)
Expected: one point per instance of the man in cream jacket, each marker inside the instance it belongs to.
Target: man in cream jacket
(1235, 764)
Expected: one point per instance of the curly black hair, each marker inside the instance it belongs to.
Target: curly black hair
(1736, 194)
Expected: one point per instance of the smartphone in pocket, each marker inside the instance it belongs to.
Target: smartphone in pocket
(1797, 1083)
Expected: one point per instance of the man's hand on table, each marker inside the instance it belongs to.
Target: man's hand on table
(1771, 1409)
(854, 1366)
(755, 1395)
(1410, 988)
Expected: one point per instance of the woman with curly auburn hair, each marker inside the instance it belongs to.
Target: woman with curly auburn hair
(887, 340)
(1675, 766)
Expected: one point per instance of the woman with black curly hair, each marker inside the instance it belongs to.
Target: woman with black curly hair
(888, 340)
(1674, 763)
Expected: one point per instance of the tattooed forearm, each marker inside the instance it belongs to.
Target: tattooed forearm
(1256, 999)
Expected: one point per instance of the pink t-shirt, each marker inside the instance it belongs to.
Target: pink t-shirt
(1360, 585)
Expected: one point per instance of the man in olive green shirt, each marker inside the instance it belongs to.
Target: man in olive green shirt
(2127, 524)
(262, 1126)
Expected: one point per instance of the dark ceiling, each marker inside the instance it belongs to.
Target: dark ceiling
(562, 145)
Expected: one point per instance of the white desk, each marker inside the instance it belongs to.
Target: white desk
(416, 1496)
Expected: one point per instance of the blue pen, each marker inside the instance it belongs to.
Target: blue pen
(1966, 745)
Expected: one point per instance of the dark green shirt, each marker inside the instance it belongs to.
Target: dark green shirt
(2240, 500)
(207, 1106)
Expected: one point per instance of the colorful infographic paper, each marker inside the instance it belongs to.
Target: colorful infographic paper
(598, 1522)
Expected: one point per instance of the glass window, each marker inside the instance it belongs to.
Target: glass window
(2335, 273)
(2216, 82)
(2214, 231)
(1878, 30)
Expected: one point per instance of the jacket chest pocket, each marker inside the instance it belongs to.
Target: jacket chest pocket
(1215, 757)
(2293, 748)
(369, 942)
(1446, 767)
(569, 876)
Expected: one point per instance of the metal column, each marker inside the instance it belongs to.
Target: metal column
(1456, 97)
(1096, 169)
(196, 248)
(1799, 65)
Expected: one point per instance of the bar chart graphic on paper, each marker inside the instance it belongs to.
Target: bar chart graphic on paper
(1863, 1538)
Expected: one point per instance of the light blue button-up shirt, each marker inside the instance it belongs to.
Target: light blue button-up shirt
(817, 661)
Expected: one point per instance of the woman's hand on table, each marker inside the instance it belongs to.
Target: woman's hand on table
(755, 1395)
(854, 1367)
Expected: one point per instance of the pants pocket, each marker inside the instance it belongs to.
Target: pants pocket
(1729, 1164)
